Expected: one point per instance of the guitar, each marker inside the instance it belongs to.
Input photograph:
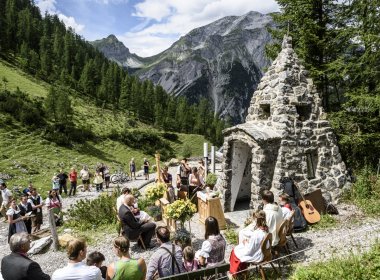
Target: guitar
(310, 214)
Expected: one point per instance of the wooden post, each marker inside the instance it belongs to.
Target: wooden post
(53, 230)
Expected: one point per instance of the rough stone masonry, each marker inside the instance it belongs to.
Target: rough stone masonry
(286, 132)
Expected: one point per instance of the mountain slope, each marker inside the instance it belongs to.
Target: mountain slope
(26, 155)
(222, 61)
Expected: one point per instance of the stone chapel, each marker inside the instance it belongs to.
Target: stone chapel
(286, 132)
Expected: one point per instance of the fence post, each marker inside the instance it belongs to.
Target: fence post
(53, 230)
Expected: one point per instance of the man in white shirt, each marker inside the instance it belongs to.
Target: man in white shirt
(76, 269)
(120, 200)
(6, 196)
(273, 215)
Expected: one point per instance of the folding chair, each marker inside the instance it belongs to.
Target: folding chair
(291, 229)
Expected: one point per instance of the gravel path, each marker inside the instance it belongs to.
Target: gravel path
(353, 233)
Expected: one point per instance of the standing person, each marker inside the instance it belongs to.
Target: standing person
(17, 266)
(98, 180)
(146, 169)
(273, 214)
(6, 196)
(15, 220)
(107, 176)
(36, 201)
(167, 260)
(85, 176)
(167, 178)
(125, 267)
(183, 173)
(54, 202)
(62, 181)
(196, 181)
(28, 188)
(214, 247)
(73, 181)
(25, 207)
(76, 269)
(201, 168)
(132, 168)
(133, 228)
(55, 182)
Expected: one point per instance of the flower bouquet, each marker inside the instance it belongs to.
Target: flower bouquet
(181, 210)
(155, 192)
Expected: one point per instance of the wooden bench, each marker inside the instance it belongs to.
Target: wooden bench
(200, 273)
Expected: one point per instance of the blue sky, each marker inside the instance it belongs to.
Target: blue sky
(146, 27)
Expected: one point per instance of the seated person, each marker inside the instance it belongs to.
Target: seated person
(286, 207)
(132, 227)
(120, 200)
(96, 259)
(214, 247)
(125, 267)
(273, 214)
(167, 260)
(249, 249)
(189, 261)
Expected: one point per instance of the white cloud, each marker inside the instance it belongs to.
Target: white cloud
(50, 7)
(70, 21)
(174, 18)
(47, 6)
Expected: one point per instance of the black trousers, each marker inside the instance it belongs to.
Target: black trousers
(147, 232)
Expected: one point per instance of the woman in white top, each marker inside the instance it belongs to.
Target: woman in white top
(249, 249)
(15, 220)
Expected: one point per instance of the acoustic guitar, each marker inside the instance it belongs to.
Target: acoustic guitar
(310, 214)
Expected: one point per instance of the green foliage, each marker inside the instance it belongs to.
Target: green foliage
(92, 213)
(366, 266)
(186, 150)
(339, 43)
(154, 211)
(181, 210)
(155, 191)
(366, 191)
(327, 221)
(19, 106)
(211, 179)
(231, 235)
(148, 141)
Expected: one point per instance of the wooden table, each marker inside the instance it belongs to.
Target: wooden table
(211, 207)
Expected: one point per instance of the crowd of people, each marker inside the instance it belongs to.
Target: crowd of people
(169, 257)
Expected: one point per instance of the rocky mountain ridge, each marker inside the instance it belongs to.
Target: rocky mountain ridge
(222, 61)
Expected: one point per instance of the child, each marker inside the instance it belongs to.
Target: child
(96, 258)
(189, 263)
(286, 207)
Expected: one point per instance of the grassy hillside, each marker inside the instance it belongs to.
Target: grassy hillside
(25, 155)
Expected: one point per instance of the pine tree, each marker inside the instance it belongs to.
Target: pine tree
(313, 27)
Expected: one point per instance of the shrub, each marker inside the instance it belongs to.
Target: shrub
(231, 235)
(155, 192)
(92, 213)
(170, 136)
(186, 151)
(353, 267)
(147, 141)
(366, 191)
(181, 210)
(211, 179)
